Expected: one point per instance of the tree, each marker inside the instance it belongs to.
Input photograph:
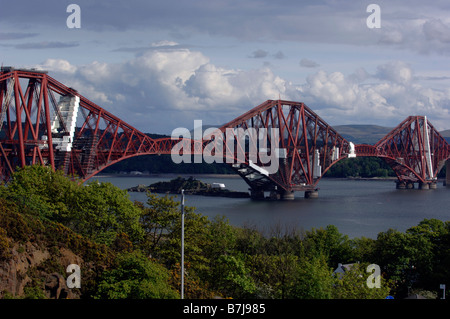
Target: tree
(428, 249)
(158, 219)
(273, 274)
(353, 285)
(313, 279)
(45, 193)
(135, 277)
(232, 277)
(161, 221)
(222, 237)
(328, 242)
(363, 249)
(101, 211)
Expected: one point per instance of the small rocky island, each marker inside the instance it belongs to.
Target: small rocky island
(191, 186)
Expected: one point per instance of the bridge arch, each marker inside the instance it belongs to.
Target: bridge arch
(42, 121)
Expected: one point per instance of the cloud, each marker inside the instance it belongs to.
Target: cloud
(435, 29)
(164, 43)
(419, 26)
(180, 82)
(47, 45)
(279, 55)
(423, 34)
(57, 65)
(307, 63)
(258, 54)
(159, 90)
(387, 97)
(16, 35)
(397, 72)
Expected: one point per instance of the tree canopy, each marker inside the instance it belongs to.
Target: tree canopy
(143, 242)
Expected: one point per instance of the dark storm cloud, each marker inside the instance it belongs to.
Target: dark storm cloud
(419, 25)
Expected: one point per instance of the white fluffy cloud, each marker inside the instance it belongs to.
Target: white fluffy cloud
(384, 98)
(163, 89)
(178, 81)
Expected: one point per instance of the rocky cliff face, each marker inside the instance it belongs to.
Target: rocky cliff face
(33, 267)
(35, 254)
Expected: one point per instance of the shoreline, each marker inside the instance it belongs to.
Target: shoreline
(168, 175)
(235, 176)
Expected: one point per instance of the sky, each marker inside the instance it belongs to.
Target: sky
(160, 65)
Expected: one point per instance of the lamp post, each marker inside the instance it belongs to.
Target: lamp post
(182, 244)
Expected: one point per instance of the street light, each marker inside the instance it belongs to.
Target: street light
(182, 244)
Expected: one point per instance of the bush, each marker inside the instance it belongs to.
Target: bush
(135, 277)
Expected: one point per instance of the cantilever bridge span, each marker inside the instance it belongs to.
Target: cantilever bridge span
(42, 121)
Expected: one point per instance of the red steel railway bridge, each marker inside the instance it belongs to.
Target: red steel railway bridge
(42, 121)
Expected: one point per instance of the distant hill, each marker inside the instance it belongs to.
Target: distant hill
(370, 134)
(362, 134)
(445, 134)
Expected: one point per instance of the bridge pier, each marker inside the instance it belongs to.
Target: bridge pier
(256, 194)
(400, 185)
(312, 194)
(409, 185)
(424, 185)
(274, 195)
(287, 195)
(447, 173)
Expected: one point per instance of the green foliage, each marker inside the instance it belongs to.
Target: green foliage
(135, 276)
(353, 285)
(97, 221)
(4, 245)
(313, 279)
(101, 211)
(232, 278)
(163, 164)
(161, 221)
(14, 223)
(328, 242)
(365, 167)
(45, 193)
(273, 274)
(158, 219)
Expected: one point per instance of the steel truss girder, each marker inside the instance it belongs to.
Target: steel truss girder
(100, 139)
(303, 138)
(28, 105)
(414, 149)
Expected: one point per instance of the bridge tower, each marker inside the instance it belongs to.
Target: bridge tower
(414, 150)
(294, 147)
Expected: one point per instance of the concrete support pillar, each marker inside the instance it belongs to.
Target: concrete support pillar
(424, 185)
(433, 185)
(409, 185)
(256, 194)
(400, 185)
(274, 195)
(287, 195)
(447, 173)
(312, 194)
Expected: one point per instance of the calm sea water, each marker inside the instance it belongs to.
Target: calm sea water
(357, 207)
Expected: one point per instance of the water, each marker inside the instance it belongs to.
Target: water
(359, 208)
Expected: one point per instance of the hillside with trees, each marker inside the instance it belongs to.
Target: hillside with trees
(132, 250)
